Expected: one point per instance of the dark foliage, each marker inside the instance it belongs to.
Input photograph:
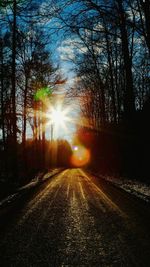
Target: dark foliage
(121, 149)
(56, 154)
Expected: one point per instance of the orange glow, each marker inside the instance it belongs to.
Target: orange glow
(80, 157)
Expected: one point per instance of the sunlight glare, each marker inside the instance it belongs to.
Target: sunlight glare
(58, 116)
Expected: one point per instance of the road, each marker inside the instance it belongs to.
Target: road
(77, 219)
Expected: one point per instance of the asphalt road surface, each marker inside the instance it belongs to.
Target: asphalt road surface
(76, 219)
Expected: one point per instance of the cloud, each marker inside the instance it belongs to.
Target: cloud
(70, 48)
(66, 52)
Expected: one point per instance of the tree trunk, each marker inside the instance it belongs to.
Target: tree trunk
(111, 77)
(25, 112)
(43, 137)
(2, 96)
(35, 136)
(14, 118)
(146, 9)
(129, 101)
(4, 159)
(102, 91)
(25, 123)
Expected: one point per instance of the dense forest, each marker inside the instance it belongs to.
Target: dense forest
(110, 56)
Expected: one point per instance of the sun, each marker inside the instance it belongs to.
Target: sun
(60, 122)
(58, 116)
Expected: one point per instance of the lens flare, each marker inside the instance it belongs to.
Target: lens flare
(42, 93)
(80, 157)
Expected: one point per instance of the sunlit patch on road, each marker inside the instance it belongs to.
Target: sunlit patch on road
(81, 189)
(33, 204)
(103, 196)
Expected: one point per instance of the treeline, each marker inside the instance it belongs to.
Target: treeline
(34, 163)
(56, 154)
(120, 152)
(111, 44)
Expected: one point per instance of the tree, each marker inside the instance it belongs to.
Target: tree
(108, 46)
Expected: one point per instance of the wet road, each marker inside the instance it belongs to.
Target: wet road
(78, 220)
